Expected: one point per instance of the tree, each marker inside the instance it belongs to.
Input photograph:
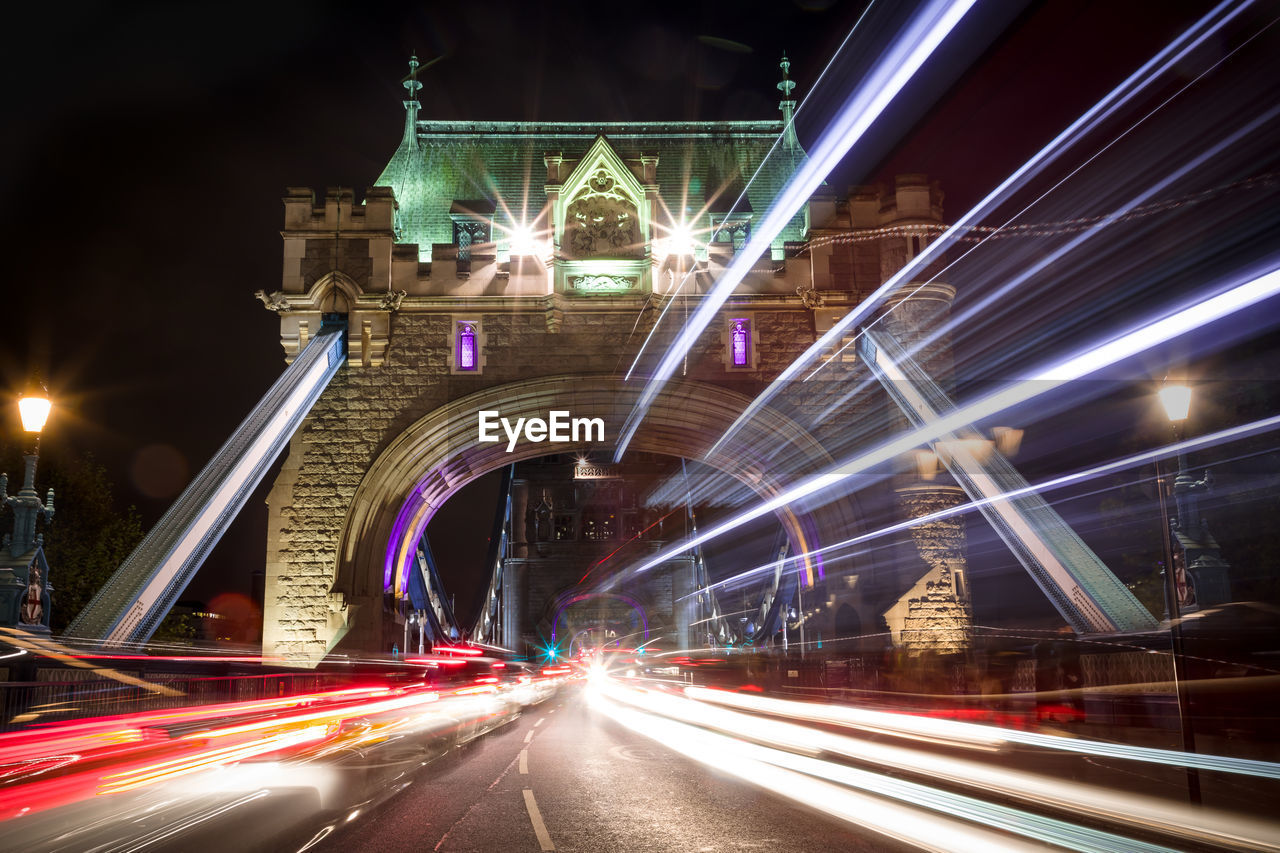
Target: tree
(89, 537)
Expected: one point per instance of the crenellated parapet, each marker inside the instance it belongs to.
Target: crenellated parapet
(343, 257)
(859, 241)
(337, 259)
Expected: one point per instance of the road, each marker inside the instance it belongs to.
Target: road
(561, 777)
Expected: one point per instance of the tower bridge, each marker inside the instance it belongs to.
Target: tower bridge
(813, 480)
(521, 269)
(533, 274)
(540, 297)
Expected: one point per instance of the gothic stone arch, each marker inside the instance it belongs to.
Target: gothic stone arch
(439, 453)
(335, 516)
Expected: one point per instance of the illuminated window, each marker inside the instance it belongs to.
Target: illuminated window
(740, 335)
(468, 234)
(466, 345)
(565, 525)
(740, 341)
(467, 355)
(597, 526)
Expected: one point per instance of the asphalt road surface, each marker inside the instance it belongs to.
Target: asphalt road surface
(563, 778)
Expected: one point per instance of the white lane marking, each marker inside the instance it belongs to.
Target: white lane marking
(529, 736)
(524, 761)
(535, 817)
(540, 721)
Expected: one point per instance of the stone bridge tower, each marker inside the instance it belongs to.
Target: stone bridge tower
(519, 267)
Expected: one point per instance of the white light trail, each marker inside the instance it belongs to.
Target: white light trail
(982, 306)
(759, 765)
(1082, 364)
(975, 734)
(1154, 68)
(1209, 440)
(721, 738)
(816, 84)
(873, 95)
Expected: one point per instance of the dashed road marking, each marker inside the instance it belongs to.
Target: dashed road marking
(529, 736)
(535, 817)
(540, 721)
(524, 761)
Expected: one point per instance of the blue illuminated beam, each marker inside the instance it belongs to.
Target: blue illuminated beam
(132, 603)
(872, 96)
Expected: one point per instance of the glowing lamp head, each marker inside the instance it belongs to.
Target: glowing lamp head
(680, 240)
(1176, 400)
(522, 242)
(34, 408)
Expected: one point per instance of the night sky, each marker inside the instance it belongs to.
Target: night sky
(147, 147)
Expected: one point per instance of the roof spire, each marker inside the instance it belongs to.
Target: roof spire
(411, 106)
(787, 104)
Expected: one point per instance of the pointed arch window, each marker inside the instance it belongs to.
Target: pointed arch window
(468, 346)
(741, 342)
(740, 335)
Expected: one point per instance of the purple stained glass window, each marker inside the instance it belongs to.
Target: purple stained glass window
(466, 346)
(741, 333)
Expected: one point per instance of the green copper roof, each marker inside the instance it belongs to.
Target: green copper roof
(446, 161)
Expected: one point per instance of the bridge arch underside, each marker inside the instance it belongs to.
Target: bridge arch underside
(440, 453)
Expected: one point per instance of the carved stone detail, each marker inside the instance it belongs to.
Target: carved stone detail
(391, 302)
(603, 283)
(810, 297)
(603, 221)
(276, 302)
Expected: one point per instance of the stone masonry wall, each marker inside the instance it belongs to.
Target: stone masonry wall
(364, 409)
(938, 618)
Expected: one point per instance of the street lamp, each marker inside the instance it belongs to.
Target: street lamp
(24, 572)
(1176, 401)
(34, 410)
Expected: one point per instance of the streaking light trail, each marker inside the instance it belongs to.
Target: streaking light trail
(895, 68)
(1185, 446)
(733, 742)
(973, 734)
(985, 304)
(1151, 71)
(773, 148)
(1077, 366)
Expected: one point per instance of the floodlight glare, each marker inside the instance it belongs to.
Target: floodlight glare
(681, 242)
(522, 242)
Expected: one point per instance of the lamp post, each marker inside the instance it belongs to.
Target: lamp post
(24, 573)
(1176, 401)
